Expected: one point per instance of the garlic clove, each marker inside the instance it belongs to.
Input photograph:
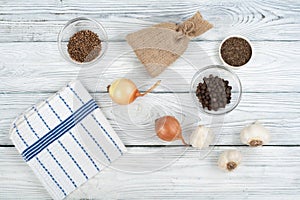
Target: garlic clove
(202, 137)
(255, 135)
(229, 160)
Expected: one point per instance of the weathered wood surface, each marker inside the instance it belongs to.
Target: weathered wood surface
(135, 123)
(259, 20)
(31, 69)
(268, 172)
(38, 67)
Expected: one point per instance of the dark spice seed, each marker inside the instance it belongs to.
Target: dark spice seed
(236, 51)
(214, 92)
(84, 46)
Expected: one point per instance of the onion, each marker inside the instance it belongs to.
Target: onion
(168, 129)
(123, 91)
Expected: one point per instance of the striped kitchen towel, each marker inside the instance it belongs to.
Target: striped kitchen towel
(66, 140)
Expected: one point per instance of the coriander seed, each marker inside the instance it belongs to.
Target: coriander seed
(84, 46)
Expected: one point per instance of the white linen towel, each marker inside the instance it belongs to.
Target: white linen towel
(66, 140)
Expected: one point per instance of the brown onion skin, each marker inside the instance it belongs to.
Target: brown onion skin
(134, 95)
(168, 128)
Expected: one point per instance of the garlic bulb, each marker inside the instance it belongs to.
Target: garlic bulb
(255, 135)
(229, 160)
(202, 137)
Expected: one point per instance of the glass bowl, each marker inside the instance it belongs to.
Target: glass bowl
(76, 25)
(225, 63)
(222, 72)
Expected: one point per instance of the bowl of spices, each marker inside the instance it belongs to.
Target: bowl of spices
(82, 41)
(216, 90)
(235, 51)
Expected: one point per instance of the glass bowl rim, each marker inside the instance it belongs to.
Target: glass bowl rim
(231, 66)
(104, 40)
(235, 76)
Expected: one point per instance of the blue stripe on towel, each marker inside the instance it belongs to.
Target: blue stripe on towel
(78, 97)
(18, 133)
(68, 120)
(82, 148)
(73, 159)
(59, 130)
(98, 145)
(91, 136)
(61, 167)
(51, 176)
(43, 166)
(107, 134)
(64, 148)
(56, 132)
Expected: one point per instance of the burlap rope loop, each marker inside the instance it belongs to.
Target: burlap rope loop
(185, 29)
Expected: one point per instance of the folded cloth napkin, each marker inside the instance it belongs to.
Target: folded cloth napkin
(66, 140)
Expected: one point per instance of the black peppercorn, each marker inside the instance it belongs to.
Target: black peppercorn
(214, 93)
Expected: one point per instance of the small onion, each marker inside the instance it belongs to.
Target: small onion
(123, 91)
(168, 129)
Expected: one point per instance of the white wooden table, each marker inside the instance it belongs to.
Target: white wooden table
(31, 69)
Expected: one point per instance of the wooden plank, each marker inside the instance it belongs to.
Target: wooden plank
(268, 20)
(265, 173)
(135, 123)
(273, 68)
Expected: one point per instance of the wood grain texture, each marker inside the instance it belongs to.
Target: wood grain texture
(135, 123)
(31, 69)
(258, 20)
(274, 67)
(268, 172)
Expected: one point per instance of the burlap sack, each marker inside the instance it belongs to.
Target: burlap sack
(159, 46)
